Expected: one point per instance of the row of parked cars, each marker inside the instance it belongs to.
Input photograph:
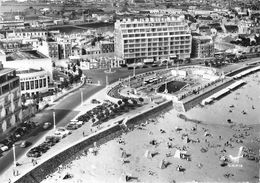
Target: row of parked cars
(50, 141)
(16, 135)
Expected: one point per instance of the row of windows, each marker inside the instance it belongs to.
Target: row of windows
(166, 39)
(158, 24)
(160, 29)
(157, 49)
(30, 85)
(153, 34)
(176, 43)
(31, 34)
(166, 53)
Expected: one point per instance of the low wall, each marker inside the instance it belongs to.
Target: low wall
(184, 106)
(42, 170)
(149, 112)
(48, 167)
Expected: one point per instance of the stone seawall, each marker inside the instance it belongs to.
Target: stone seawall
(149, 112)
(50, 166)
(195, 101)
(42, 170)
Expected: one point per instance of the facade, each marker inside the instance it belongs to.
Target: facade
(50, 49)
(202, 47)
(10, 99)
(33, 81)
(25, 60)
(28, 34)
(107, 47)
(152, 38)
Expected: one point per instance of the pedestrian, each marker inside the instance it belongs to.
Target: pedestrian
(9, 180)
(33, 162)
(83, 134)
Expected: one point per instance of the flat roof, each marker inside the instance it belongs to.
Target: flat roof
(27, 71)
(6, 71)
(23, 55)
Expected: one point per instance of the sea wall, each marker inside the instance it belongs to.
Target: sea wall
(183, 106)
(68, 154)
(42, 170)
(149, 112)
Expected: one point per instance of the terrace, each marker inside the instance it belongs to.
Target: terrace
(24, 55)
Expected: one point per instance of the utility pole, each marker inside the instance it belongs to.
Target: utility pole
(14, 155)
(54, 120)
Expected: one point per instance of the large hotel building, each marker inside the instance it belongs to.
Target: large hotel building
(152, 39)
(10, 99)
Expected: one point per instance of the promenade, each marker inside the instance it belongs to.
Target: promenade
(26, 163)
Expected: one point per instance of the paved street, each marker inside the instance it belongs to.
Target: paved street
(64, 109)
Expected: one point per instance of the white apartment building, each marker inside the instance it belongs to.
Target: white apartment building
(27, 34)
(154, 39)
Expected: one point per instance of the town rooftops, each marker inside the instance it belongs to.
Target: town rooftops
(24, 55)
(4, 71)
(27, 71)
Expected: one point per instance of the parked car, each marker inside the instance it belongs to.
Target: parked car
(25, 144)
(72, 126)
(52, 139)
(62, 132)
(34, 152)
(95, 101)
(3, 147)
(7, 142)
(46, 125)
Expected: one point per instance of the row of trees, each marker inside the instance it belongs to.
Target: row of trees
(104, 112)
(245, 41)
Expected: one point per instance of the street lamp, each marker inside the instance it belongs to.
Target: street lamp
(14, 155)
(54, 120)
(81, 94)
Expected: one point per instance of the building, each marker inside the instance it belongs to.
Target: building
(33, 81)
(50, 48)
(27, 33)
(30, 59)
(107, 47)
(10, 99)
(202, 47)
(154, 39)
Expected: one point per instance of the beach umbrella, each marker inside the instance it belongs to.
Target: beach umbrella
(148, 154)
(162, 164)
(177, 154)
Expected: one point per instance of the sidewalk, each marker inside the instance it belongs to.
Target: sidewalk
(26, 163)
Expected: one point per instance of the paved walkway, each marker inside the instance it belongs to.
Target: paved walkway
(26, 163)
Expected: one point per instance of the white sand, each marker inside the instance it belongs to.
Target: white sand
(107, 165)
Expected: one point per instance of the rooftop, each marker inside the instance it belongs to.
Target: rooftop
(27, 71)
(4, 71)
(23, 55)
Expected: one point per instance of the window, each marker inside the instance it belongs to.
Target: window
(44, 82)
(36, 84)
(22, 86)
(32, 84)
(27, 85)
(40, 83)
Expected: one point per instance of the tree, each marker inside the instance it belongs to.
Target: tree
(120, 102)
(141, 99)
(23, 99)
(125, 100)
(115, 106)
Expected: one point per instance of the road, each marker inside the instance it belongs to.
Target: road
(64, 109)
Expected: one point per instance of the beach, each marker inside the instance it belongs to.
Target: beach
(209, 135)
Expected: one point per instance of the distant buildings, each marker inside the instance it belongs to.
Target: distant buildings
(34, 69)
(10, 99)
(152, 39)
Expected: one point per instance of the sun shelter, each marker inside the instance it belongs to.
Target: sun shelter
(148, 154)
(162, 164)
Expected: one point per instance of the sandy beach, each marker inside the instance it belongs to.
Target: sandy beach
(214, 131)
